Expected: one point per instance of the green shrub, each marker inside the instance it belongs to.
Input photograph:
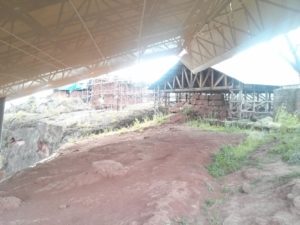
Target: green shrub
(288, 145)
(190, 112)
(286, 119)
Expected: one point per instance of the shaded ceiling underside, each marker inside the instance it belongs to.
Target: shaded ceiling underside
(48, 43)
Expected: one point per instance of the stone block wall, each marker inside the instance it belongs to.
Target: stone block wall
(204, 105)
(289, 97)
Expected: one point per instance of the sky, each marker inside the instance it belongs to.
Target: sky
(265, 63)
(147, 71)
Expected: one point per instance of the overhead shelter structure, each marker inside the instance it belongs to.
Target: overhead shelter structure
(49, 43)
(211, 93)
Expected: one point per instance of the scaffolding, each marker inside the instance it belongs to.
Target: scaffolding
(113, 94)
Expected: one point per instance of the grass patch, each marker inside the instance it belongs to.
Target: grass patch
(137, 125)
(140, 125)
(288, 137)
(286, 119)
(212, 215)
(232, 158)
(288, 146)
(204, 125)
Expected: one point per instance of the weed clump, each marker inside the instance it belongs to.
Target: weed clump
(205, 125)
(138, 125)
(190, 113)
(287, 138)
(286, 119)
(288, 146)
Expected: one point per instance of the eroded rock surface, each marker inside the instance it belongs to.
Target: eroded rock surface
(9, 203)
(36, 129)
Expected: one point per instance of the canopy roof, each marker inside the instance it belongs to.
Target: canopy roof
(49, 43)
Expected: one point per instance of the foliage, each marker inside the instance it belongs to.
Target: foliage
(147, 122)
(232, 158)
(288, 145)
(189, 112)
(286, 119)
(287, 138)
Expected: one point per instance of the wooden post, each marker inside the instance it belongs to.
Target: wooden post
(240, 103)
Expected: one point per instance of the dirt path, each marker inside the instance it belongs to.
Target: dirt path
(153, 177)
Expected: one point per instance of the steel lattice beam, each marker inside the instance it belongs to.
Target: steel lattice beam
(44, 44)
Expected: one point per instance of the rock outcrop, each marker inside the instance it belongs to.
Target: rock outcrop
(34, 130)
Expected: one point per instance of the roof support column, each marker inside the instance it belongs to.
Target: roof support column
(2, 106)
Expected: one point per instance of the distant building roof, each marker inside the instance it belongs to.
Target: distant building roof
(74, 87)
(175, 70)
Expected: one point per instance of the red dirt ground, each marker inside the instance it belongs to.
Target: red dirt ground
(155, 177)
